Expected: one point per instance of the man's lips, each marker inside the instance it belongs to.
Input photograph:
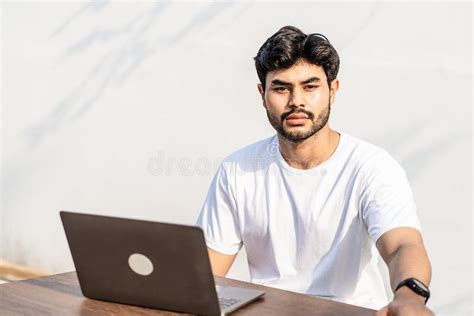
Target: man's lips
(296, 116)
(296, 119)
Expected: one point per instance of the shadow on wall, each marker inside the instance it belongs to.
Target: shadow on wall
(112, 69)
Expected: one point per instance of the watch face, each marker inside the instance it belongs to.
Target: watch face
(419, 284)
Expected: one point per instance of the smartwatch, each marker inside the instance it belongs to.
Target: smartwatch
(416, 286)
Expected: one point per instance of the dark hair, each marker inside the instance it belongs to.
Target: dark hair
(289, 45)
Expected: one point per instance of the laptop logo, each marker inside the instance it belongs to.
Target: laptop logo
(140, 264)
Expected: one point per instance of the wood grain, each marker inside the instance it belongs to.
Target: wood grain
(60, 295)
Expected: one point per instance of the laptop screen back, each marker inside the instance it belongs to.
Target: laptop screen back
(150, 264)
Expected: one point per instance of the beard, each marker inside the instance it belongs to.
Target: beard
(301, 135)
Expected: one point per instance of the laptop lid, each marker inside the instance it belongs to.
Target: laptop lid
(136, 262)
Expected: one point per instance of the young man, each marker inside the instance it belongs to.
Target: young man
(315, 207)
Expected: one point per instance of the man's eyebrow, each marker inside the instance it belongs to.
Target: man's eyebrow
(278, 82)
(312, 79)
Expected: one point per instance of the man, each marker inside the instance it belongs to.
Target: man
(315, 207)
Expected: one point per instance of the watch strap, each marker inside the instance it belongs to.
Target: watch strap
(411, 283)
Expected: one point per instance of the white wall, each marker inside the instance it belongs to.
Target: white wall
(95, 93)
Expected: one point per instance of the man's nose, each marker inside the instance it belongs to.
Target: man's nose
(296, 99)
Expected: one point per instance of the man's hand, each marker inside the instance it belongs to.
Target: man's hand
(405, 303)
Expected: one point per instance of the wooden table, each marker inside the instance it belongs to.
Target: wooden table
(60, 295)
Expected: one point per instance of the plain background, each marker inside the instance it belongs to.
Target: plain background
(127, 108)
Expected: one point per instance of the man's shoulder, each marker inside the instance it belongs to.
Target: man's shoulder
(372, 157)
(362, 146)
(253, 153)
(365, 150)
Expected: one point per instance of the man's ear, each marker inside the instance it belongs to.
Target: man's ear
(262, 93)
(333, 90)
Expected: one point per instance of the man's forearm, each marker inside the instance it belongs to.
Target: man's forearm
(405, 255)
(409, 261)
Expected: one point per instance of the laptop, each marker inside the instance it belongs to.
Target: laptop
(149, 264)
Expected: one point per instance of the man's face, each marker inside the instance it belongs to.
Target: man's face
(298, 100)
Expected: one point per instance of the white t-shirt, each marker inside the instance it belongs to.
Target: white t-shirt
(310, 231)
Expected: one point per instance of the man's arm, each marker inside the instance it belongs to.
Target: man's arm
(403, 251)
(220, 263)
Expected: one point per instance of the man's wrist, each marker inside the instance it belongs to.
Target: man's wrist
(405, 293)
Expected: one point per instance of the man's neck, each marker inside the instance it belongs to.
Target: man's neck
(312, 151)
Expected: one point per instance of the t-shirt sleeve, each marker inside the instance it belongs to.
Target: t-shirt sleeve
(386, 197)
(218, 218)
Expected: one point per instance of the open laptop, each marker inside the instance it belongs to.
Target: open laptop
(149, 264)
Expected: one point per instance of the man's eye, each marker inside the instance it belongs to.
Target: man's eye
(311, 87)
(281, 89)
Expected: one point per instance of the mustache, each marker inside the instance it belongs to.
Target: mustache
(308, 113)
